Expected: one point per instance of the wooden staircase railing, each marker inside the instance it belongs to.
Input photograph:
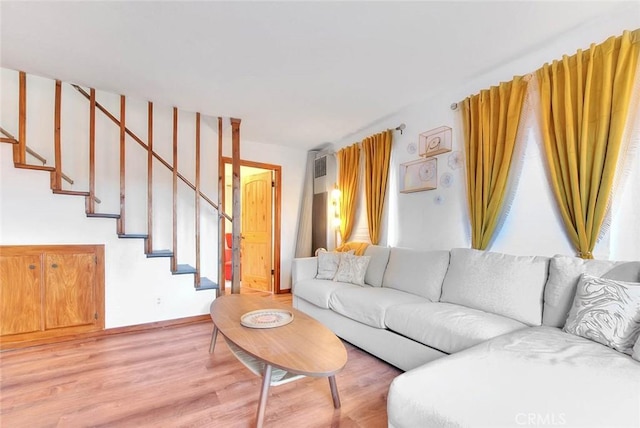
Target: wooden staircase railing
(20, 150)
(8, 138)
(153, 153)
(176, 267)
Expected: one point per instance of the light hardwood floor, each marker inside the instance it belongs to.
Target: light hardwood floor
(166, 378)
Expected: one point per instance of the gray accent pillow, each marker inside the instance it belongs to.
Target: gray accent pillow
(564, 274)
(636, 350)
(378, 264)
(606, 311)
(327, 264)
(502, 284)
(352, 269)
(624, 271)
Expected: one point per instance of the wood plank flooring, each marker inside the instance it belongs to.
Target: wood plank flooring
(167, 378)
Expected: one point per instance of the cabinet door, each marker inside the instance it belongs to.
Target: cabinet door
(20, 294)
(70, 294)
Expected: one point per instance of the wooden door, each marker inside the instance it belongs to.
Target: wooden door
(257, 221)
(20, 293)
(70, 289)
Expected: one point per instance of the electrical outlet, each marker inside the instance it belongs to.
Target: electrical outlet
(158, 301)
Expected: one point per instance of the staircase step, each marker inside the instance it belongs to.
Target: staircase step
(207, 284)
(133, 236)
(184, 270)
(160, 253)
(35, 167)
(70, 192)
(103, 215)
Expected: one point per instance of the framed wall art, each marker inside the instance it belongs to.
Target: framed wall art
(419, 175)
(435, 142)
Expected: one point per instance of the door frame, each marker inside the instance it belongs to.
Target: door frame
(277, 217)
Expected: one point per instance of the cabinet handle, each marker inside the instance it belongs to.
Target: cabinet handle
(54, 265)
(32, 267)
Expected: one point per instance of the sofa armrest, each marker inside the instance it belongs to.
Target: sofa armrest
(303, 268)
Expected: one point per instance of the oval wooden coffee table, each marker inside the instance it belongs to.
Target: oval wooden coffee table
(304, 347)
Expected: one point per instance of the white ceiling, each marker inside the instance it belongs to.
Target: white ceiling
(296, 73)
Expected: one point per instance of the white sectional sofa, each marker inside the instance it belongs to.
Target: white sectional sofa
(497, 319)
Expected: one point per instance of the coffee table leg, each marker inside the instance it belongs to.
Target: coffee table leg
(334, 392)
(214, 336)
(264, 393)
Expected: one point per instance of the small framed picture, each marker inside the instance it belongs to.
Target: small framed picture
(435, 142)
(419, 175)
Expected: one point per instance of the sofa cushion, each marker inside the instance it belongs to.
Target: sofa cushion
(318, 291)
(447, 327)
(500, 283)
(378, 264)
(368, 305)
(417, 272)
(606, 311)
(559, 379)
(564, 274)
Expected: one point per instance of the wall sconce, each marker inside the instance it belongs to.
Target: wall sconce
(335, 200)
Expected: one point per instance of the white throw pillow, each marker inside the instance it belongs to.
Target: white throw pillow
(352, 269)
(328, 262)
(606, 311)
(636, 350)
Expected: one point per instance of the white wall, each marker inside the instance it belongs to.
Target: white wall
(438, 219)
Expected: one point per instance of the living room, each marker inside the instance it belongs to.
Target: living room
(140, 290)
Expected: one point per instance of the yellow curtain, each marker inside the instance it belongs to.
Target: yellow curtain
(377, 153)
(348, 174)
(490, 121)
(584, 102)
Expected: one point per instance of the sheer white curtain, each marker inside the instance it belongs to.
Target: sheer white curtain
(303, 240)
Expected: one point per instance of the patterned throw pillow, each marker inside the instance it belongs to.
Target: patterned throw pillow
(328, 263)
(352, 269)
(636, 350)
(606, 311)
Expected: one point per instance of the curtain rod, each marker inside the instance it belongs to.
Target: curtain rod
(527, 77)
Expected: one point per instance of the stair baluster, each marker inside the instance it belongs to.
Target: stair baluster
(149, 241)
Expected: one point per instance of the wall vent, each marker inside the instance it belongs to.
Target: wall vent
(324, 172)
(320, 167)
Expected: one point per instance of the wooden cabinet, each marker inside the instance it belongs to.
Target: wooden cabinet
(20, 293)
(50, 291)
